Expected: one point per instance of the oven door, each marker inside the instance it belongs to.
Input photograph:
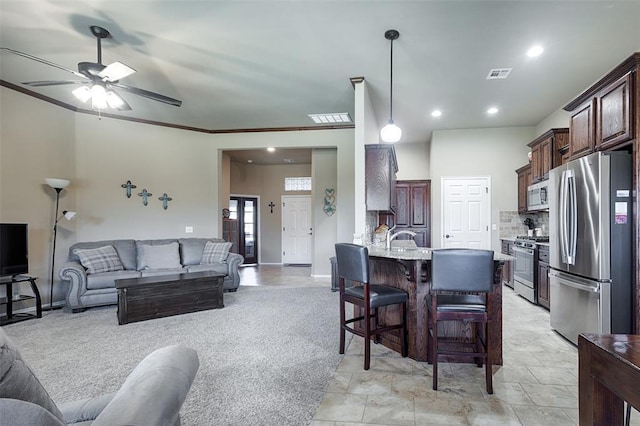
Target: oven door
(524, 273)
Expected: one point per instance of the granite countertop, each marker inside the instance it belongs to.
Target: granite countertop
(417, 253)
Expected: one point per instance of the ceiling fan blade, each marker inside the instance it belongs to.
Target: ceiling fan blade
(146, 94)
(42, 61)
(115, 71)
(51, 82)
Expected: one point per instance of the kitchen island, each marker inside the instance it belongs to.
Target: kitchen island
(409, 269)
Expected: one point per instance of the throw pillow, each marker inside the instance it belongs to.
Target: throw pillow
(101, 259)
(215, 253)
(160, 256)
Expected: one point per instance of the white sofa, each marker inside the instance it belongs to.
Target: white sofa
(88, 289)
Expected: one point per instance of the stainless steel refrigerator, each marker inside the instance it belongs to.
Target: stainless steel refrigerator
(590, 230)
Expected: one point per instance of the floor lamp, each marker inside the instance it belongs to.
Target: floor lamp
(58, 185)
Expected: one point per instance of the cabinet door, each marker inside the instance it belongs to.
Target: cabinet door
(581, 133)
(615, 124)
(403, 204)
(524, 180)
(546, 156)
(536, 164)
(380, 177)
(543, 284)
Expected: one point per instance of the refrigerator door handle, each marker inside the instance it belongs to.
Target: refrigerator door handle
(582, 287)
(572, 216)
(563, 217)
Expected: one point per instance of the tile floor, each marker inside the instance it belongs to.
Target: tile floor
(537, 385)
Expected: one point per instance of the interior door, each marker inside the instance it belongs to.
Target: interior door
(245, 210)
(466, 213)
(297, 230)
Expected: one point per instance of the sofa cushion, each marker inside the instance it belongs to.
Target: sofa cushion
(161, 271)
(126, 251)
(107, 279)
(215, 252)
(140, 247)
(17, 380)
(220, 268)
(159, 256)
(191, 249)
(101, 259)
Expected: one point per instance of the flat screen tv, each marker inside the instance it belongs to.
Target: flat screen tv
(14, 253)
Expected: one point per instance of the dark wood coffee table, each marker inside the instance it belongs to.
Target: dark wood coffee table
(145, 298)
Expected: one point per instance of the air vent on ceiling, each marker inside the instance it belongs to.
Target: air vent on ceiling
(499, 73)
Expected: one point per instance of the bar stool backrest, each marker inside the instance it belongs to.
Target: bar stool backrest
(353, 262)
(462, 269)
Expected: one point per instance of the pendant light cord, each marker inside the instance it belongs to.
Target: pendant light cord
(391, 85)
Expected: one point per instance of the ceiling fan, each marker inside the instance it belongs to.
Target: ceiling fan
(98, 81)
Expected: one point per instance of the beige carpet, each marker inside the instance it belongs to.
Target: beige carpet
(265, 359)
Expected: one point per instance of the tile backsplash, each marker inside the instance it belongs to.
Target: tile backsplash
(512, 223)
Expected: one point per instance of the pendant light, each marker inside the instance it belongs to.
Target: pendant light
(391, 132)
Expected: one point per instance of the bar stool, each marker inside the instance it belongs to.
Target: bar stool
(461, 280)
(353, 265)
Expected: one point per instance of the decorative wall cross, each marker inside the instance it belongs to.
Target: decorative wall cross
(128, 186)
(271, 205)
(145, 195)
(165, 199)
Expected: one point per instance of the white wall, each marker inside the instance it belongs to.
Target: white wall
(325, 228)
(496, 153)
(36, 142)
(556, 120)
(413, 160)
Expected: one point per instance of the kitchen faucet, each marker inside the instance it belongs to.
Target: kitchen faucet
(392, 237)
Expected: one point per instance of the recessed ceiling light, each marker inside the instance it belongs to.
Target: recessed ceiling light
(331, 118)
(436, 113)
(271, 149)
(249, 161)
(492, 110)
(535, 51)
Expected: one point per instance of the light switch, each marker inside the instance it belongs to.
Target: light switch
(494, 227)
(188, 229)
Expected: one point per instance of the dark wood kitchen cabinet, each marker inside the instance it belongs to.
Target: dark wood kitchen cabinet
(524, 180)
(545, 153)
(380, 177)
(507, 268)
(604, 116)
(413, 209)
(614, 122)
(582, 130)
(543, 276)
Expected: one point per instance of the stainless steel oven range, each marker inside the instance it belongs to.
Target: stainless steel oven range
(525, 267)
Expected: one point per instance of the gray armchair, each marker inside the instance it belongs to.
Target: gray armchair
(151, 395)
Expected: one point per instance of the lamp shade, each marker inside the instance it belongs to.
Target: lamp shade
(69, 215)
(391, 133)
(57, 183)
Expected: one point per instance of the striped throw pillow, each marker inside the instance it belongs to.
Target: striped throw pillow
(215, 253)
(101, 259)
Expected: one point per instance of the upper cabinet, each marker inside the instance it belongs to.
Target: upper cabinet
(524, 180)
(545, 153)
(603, 117)
(380, 177)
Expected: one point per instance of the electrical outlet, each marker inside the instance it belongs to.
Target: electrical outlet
(188, 229)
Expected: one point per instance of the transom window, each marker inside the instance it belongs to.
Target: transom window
(297, 184)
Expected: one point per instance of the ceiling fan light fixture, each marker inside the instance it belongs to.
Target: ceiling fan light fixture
(98, 97)
(83, 93)
(114, 100)
(391, 133)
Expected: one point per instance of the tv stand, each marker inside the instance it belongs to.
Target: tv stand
(9, 300)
